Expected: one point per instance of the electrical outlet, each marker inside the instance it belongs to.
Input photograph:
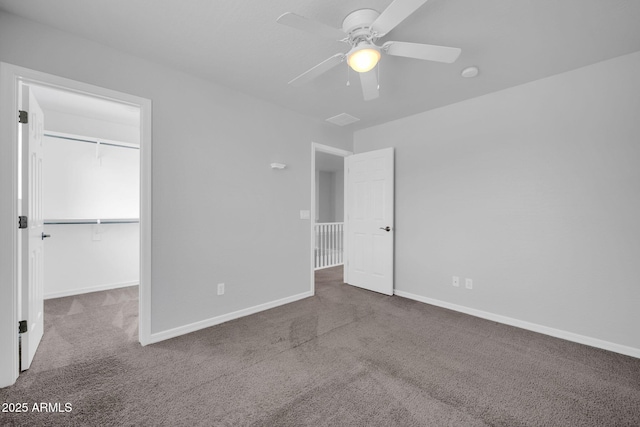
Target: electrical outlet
(456, 281)
(220, 288)
(468, 283)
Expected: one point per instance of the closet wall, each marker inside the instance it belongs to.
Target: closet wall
(84, 182)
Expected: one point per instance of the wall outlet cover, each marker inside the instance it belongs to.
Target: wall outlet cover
(468, 283)
(220, 288)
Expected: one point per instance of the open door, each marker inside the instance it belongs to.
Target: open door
(32, 237)
(369, 221)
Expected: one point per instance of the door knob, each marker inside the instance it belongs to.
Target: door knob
(387, 228)
(44, 236)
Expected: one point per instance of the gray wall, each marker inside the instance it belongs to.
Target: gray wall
(330, 200)
(533, 192)
(212, 147)
(338, 196)
(326, 204)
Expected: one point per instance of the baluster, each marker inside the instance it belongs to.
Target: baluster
(315, 245)
(324, 245)
(333, 244)
(330, 244)
(340, 244)
(321, 246)
(337, 244)
(319, 228)
(335, 241)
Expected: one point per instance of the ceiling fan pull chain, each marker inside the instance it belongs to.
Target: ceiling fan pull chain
(348, 82)
(378, 70)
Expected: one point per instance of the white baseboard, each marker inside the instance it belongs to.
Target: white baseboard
(327, 266)
(192, 327)
(558, 333)
(70, 292)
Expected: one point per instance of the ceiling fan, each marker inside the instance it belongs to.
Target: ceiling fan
(360, 30)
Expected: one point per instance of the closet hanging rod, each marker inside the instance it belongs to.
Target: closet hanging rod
(90, 221)
(91, 142)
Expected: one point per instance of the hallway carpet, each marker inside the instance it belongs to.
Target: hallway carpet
(345, 357)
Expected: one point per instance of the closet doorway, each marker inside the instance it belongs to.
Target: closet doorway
(21, 279)
(88, 180)
(90, 193)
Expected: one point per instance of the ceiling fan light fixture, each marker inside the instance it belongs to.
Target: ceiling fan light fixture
(363, 57)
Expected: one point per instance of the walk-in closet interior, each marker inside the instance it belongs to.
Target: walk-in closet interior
(90, 193)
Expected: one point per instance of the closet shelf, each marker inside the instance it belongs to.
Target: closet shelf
(92, 221)
(94, 141)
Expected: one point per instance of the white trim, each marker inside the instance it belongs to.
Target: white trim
(196, 326)
(10, 76)
(558, 333)
(8, 228)
(97, 288)
(336, 152)
(328, 266)
(330, 150)
(146, 188)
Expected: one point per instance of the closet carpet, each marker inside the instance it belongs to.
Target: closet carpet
(346, 357)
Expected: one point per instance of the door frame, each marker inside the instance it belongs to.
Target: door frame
(316, 147)
(10, 78)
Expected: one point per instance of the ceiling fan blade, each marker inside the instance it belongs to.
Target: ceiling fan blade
(397, 12)
(369, 82)
(319, 69)
(427, 52)
(314, 27)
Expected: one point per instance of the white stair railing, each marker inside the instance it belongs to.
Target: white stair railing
(329, 244)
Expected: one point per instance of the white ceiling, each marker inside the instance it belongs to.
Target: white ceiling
(240, 45)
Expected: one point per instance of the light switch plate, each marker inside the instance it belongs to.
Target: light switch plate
(305, 215)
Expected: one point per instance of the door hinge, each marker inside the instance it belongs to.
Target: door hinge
(23, 117)
(22, 326)
(22, 221)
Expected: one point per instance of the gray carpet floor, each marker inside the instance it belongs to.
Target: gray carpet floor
(346, 357)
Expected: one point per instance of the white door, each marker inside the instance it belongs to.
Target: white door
(369, 221)
(33, 236)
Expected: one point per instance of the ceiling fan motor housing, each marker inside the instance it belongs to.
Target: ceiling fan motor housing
(358, 25)
(363, 28)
